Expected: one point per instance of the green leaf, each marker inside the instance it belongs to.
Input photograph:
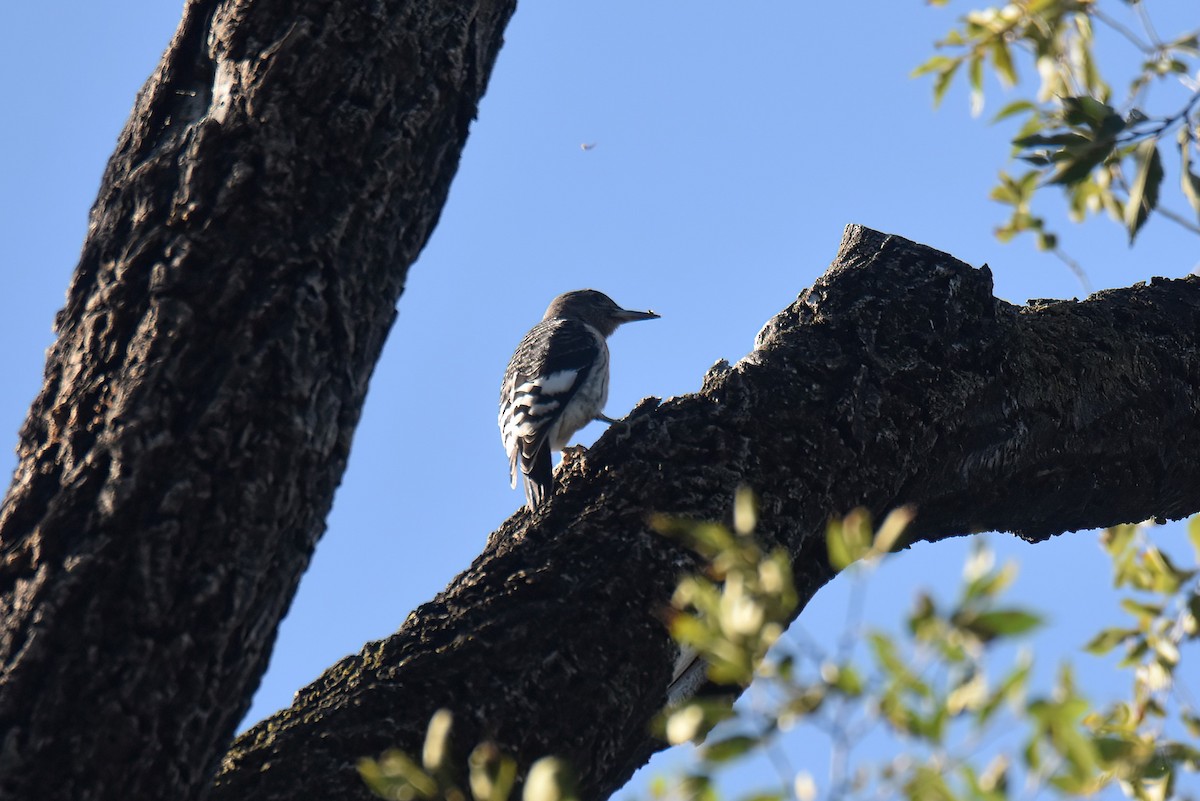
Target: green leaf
(436, 753)
(1076, 163)
(975, 78)
(806, 702)
(969, 694)
(693, 720)
(1190, 183)
(1167, 577)
(1002, 61)
(923, 621)
(1112, 749)
(933, 727)
(1143, 192)
(1003, 623)
(1004, 193)
(729, 748)
(1087, 110)
(886, 654)
(745, 511)
(928, 784)
(1061, 139)
(890, 530)
(848, 539)
(943, 82)
(708, 539)
(1181, 753)
(1193, 529)
(1135, 649)
(1010, 690)
(690, 630)
(1167, 651)
(1193, 605)
(935, 64)
(1143, 611)
(1078, 751)
(549, 779)
(1188, 43)
(1014, 108)
(396, 775)
(992, 583)
(1108, 639)
(1118, 539)
(897, 714)
(697, 787)
(845, 679)
(839, 550)
(491, 773)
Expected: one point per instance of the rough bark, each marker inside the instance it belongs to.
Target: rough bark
(897, 379)
(281, 170)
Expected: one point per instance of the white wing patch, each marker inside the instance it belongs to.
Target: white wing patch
(558, 383)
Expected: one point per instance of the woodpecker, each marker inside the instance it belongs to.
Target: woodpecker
(556, 383)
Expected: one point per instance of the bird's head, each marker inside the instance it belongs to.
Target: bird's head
(594, 308)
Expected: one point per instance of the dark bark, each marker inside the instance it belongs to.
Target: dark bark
(897, 379)
(281, 170)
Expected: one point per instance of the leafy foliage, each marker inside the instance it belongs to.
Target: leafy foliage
(734, 612)
(970, 729)
(950, 686)
(1107, 156)
(490, 775)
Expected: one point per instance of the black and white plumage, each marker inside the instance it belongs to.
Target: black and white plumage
(556, 383)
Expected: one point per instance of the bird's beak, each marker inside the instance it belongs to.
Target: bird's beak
(627, 316)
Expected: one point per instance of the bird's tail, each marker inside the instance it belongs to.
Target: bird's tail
(539, 478)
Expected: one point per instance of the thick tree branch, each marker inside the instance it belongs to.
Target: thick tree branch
(897, 379)
(282, 168)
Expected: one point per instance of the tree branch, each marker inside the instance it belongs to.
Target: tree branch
(281, 170)
(896, 379)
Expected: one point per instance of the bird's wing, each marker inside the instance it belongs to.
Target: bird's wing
(550, 365)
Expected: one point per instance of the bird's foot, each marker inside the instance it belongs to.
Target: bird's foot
(621, 424)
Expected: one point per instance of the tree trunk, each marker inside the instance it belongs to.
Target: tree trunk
(282, 169)
(897, 379)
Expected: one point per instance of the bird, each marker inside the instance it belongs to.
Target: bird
(556, 383)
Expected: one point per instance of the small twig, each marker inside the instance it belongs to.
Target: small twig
(806, 644)
(1124, 31)
(1181, 116)
(839, 757)
(1076, 268)
(783, 766)
(1178, 218)
(854, 612)
(1166, 122)
(1147, 25)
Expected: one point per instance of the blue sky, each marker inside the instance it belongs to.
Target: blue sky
(732, 144)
